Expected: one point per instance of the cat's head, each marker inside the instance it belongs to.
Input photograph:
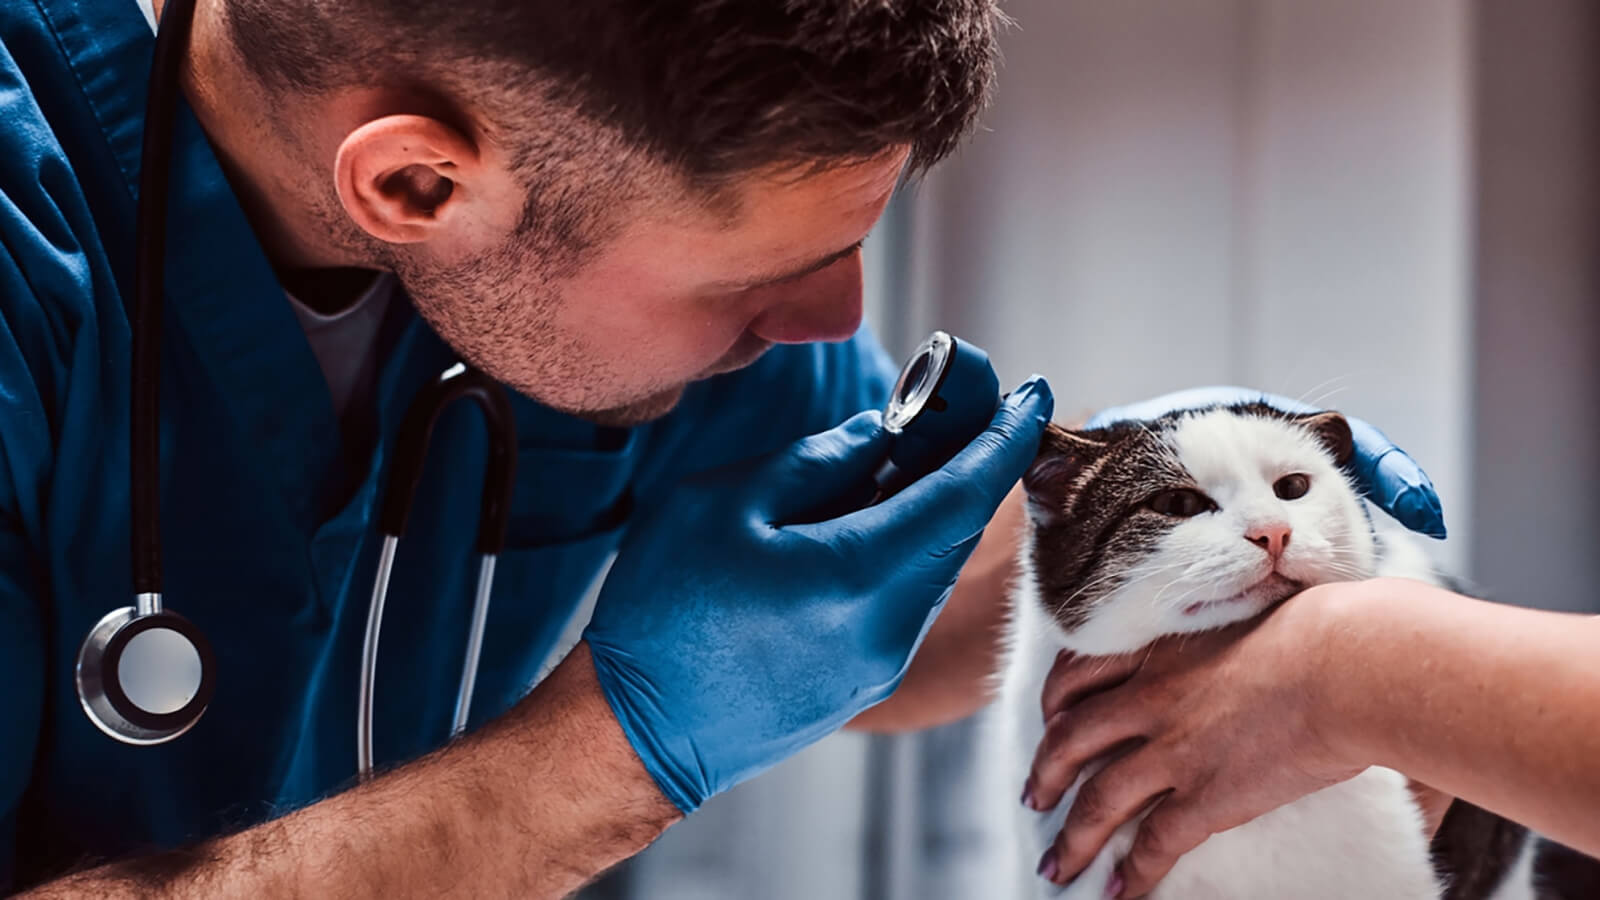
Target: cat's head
(1190, 522)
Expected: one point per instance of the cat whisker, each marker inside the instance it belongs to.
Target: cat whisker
(1319, 402)
(1145, 572)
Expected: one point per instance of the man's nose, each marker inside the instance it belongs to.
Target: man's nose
(1272, 537)
(825, 306)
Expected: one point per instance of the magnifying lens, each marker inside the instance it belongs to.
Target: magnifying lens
(946, 394)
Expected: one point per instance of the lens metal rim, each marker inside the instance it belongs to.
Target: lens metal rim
(900, 413)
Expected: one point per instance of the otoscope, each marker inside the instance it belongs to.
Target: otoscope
(945, 396)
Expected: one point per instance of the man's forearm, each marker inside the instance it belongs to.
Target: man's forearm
(1495, 704)
(535, 804)
(952, 675)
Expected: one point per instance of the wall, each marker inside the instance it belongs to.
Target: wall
(1537, 435)
(1272, 194)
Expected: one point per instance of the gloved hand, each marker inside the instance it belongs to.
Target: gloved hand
(739, 625)
(1389, 477)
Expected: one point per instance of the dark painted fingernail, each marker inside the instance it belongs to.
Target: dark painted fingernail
(1027, 793)
(1049, 866)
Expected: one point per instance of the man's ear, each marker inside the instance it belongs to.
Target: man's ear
(398, 175)
(1062, 457)
(1333, 432)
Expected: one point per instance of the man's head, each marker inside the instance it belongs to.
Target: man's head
(600, 202)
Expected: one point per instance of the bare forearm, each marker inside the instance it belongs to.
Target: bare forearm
(1492, 703)
(534, 805)
(952, 675)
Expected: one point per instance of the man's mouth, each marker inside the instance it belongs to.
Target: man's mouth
(1264, 593)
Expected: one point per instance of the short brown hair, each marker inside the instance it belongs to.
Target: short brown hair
(710, 87)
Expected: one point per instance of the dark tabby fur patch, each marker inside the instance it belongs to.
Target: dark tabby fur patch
(1089, 491)
(1562, 873)
(1474, 850)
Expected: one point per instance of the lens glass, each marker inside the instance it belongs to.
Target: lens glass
(915, 372)
(918, 380)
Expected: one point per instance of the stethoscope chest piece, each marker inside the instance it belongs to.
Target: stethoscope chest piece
(145, 677)
(145, 674)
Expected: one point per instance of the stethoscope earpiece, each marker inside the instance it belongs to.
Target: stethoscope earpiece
(145, 677)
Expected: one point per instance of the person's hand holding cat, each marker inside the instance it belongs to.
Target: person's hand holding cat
(1182, 707)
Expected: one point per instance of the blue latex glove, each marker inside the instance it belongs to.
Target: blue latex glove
(741, 623)
(1390, 478)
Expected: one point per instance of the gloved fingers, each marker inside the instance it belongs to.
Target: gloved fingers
(1394, 481)
(937, 512)
(827, 472)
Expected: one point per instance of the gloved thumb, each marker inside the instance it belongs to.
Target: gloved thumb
(826, 474)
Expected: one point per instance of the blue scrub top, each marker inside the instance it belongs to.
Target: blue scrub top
(270, 543)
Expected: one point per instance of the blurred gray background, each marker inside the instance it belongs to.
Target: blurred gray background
(1388, 206)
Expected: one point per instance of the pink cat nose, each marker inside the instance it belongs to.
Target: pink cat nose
(1272, 538)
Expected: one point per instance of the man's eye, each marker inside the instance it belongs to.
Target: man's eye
(1292, 487)
(1181, 503)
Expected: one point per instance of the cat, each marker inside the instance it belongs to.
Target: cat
(1190, 522)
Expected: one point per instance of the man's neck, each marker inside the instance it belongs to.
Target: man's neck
(236, 117)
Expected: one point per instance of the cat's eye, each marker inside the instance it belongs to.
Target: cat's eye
(1182, 503)
(1292, 487)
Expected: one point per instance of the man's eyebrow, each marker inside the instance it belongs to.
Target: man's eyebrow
(800, 271)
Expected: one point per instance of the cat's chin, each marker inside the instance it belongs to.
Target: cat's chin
(1269, 591)
(1118, 628)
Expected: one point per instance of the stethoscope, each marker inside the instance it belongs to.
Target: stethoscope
(145, 674)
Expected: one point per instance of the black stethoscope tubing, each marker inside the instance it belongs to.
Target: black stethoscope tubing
(144, 447)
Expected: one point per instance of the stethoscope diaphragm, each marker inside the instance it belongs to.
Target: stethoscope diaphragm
(144, 675)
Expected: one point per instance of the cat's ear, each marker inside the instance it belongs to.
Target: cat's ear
(1333, 431)
(1063, 455)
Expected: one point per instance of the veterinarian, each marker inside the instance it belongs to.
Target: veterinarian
(644, 218)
